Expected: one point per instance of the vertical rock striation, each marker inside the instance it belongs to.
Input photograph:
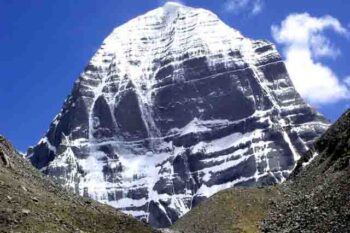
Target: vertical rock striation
(174, 107)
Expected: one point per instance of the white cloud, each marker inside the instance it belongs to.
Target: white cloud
(347, 81)
(254, 7)
(164, 2)
(257, 6)
(305, 42)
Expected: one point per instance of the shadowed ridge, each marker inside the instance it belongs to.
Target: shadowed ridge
(332, 147)
(316, 198)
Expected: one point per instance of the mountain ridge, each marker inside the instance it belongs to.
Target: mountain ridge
(318, 191)
(31, 202)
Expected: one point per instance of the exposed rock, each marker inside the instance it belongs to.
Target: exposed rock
(4, 158)
(174, 107)
(25, 211)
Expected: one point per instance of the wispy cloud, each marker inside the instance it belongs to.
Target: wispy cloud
(347, 81)
(252, 7)
(304, 42)
(163, 2)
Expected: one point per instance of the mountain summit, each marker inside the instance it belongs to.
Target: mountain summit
(174, 107)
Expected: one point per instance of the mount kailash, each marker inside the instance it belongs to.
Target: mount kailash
(174, 107)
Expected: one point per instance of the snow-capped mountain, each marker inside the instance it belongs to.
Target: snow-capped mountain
(174, 107)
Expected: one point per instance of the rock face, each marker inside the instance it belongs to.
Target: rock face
(174, 107)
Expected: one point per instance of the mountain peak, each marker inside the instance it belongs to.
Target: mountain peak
(173, 107)
(172, 7)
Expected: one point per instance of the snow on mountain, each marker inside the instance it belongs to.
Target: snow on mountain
(174, 107)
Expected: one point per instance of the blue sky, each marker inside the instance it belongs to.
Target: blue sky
(45, 44)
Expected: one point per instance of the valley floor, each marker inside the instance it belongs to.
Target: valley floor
(230, 211)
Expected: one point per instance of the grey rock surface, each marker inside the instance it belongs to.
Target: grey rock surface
(174, 107)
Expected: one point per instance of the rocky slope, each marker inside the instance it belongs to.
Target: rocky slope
(174, 107)
(32, 203)
(316, 198)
